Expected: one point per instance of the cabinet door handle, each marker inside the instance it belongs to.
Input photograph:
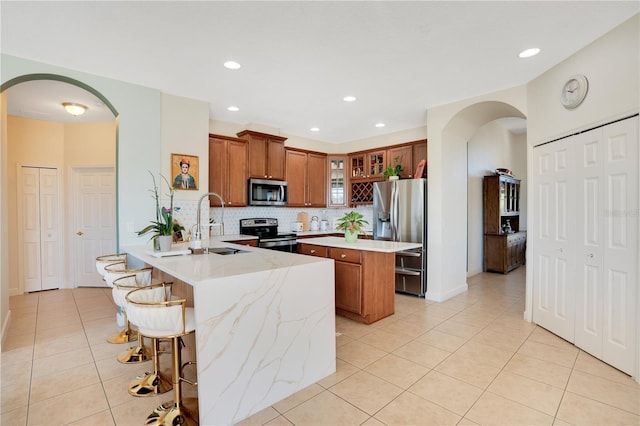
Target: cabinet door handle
(343, 255)
(79, 233)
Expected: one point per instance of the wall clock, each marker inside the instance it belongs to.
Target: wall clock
(574, 91)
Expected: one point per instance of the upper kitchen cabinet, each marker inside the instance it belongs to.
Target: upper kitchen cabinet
(419, 152)
(228, 170)
(306, 175)
(337, 194)
(266, 155)
(402, 155)
(367, 165)
(408, 156)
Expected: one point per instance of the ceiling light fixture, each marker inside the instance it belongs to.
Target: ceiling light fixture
(233, 108)
(74, 109)
(379, 124)
(527, 53)
(349, 98)
(232, 65)
(315, 129)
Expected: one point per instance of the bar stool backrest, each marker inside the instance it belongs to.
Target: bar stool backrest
(118, 270)
(102, 261)
(125, 283)
(155, 317)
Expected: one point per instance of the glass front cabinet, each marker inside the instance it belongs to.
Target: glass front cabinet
(337, 189)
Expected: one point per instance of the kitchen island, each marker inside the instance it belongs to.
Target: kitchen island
(364, 274)
(265, 324)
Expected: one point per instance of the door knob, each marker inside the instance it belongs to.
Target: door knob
(591, 255)
(80, 233)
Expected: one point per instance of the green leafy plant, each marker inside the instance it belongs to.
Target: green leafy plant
(352, 222)
(164, 223)
(395, 169)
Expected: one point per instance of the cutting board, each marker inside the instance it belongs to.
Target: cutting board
(304, 218)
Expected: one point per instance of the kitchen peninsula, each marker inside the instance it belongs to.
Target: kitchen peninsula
(265, 324)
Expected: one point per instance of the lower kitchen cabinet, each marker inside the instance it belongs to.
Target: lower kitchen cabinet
(364, 281)
(503, 253)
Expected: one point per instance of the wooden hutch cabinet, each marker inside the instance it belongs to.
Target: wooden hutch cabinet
(504, 244)
(266, 154)
(228, 170)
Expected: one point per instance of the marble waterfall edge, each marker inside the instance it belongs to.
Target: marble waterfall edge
(271, 335)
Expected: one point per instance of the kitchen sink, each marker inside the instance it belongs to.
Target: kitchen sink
(226, 250)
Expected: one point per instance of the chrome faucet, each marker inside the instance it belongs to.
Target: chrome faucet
(198, 233)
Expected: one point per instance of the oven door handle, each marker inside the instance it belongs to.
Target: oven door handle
(277, 242)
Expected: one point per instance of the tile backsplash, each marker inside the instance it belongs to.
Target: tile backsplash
(186, 212)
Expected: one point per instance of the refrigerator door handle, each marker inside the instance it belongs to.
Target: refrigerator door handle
(393, 208)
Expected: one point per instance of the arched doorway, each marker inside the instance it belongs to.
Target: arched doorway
(44, 135)
(448, 130)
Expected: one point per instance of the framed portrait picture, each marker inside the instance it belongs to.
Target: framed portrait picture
(184, 171)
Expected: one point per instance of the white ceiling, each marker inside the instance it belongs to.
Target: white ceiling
(299, 59)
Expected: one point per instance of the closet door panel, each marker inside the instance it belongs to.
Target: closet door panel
(589, 247)
(553, 295)
(620, 298)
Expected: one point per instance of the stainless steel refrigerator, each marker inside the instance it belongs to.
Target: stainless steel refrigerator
(400, 214)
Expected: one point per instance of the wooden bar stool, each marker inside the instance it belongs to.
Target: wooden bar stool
(169, 319)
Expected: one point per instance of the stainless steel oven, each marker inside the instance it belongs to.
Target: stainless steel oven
(266, 229)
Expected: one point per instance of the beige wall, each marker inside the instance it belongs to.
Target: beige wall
(611, 66)
(49, 144)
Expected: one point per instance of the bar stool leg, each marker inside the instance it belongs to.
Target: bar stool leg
(172, 412)
(139, 353)
(125, 336)
(152, 383)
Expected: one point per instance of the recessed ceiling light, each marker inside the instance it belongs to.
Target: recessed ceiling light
(232, 65)
(315, 129)
(74, 109)
(349, 98)
(379, 124)
(233, 108)
(527, 53)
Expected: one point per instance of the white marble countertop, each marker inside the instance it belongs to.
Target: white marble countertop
(361, 244)
(197, 269)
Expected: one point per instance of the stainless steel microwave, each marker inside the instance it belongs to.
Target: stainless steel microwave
(264, 192)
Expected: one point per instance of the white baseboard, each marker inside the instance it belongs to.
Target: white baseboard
(441, 297)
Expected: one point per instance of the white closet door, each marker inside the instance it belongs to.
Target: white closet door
(589, 245)
(49, 229)
(553, 296)
(40, 260)
(620, 298)
(30, 261)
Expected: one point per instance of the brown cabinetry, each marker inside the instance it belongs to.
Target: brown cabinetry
(504, 244)
(364, 281)
(228, 170)
(337, 189)
(404, 156)
(306, 175)
(266, 155)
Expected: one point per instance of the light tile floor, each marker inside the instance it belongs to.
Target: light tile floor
(469, 360)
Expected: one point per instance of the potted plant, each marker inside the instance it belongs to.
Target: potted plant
(352, 224)
(393, 172)
(163, 227)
